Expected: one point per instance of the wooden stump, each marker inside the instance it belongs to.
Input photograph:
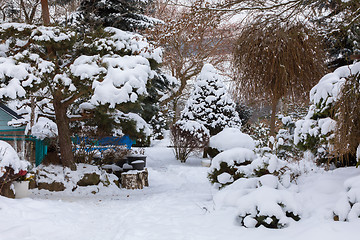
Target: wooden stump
(135, 179)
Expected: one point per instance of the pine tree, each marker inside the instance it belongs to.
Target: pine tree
(127, 15)
(50, 64)
(210, 104)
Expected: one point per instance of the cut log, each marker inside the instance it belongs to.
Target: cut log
(135, 179)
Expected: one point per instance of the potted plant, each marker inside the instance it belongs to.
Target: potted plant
(21, 185)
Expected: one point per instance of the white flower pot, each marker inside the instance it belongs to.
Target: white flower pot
(21, 189)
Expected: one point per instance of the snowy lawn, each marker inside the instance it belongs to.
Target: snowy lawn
(177, 205)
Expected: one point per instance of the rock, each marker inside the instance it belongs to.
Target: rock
(53, 187)
(135, 179)
(89, 179)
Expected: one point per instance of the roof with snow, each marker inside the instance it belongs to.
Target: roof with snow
(6, 115)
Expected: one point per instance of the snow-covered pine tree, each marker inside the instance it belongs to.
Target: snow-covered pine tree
(66, 71)
(127, 15)
(210, 104)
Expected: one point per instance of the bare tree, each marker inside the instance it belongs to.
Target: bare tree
(276, 59)
(191, 37)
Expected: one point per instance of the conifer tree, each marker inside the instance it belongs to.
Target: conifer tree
(50, 63)
(210, 104)
(127, 15)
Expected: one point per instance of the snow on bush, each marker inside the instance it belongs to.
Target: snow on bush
(236, 163)
(260, 201)
(348, 207)
(284, 146)
(317, 129)
(231, 138)
(44, 128)
(188, 136)
(9, 158)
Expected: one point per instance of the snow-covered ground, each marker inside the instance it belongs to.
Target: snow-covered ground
(177, 205)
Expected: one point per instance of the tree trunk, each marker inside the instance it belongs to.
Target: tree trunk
(45, 12)
(274, 103)
(62, 122)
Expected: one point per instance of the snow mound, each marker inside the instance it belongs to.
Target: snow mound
(348, 207)
(9, 158)
(231, 138)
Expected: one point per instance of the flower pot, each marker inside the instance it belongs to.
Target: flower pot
(133, 158)
(21, 189)
(138, 164)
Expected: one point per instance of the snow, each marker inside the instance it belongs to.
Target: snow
(225, 178)
(44, 128)
(238, 155)
(231, 138)
(9, 158)
(179, 204)
(330, 84)
(194, 128)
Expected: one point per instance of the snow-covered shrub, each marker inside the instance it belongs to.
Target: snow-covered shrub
(348, 207)
(259, 131)
(316, 131)
(210, 104)
(261, 201)
(187, 137)
(269, 207)
(284, 145)
(10, 159)
(11, 168)
(225, 167)
(236, 163)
